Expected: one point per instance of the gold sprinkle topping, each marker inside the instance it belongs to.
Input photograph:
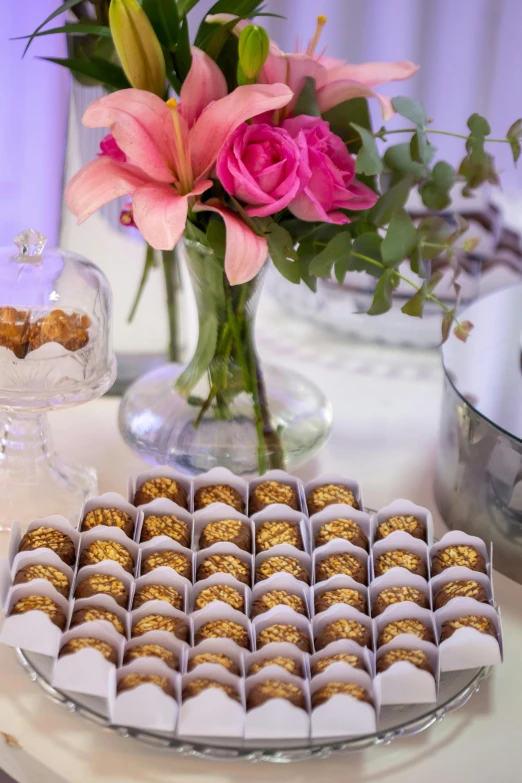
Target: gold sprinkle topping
(481, 624)
(468, 588)
(341, 563)
(111, 517)
(222, 530)
(225, 593)
(283, 633)
(223, 629)
(131, 681)
(280, 598)
(323, 663)
(218, 658)
(461, 555)
(160, 488)
(281, 564)
(417, 657)
(290, 664)
(394, 595)
(152, 651)
(98, 551)
(409, 625)
(320, 497)
(274, 689)
(407, 523)
(345, 629)
(51, 539)
(40, 602)
(276, 532)
(74, 645)
(269, 492)
(159, 622)
(52, 574)
(97, 613)
(101, 583)
(218, 493)
(166, 525)
(224, 564)
(341, 595)
(346, 529)
(398, 558)
(158, 593)
(200, 684)
(178, 561)
(334, 688)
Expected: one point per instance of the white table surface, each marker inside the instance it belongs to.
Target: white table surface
(386, 409)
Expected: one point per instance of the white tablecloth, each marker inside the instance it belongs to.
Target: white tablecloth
(386, 409)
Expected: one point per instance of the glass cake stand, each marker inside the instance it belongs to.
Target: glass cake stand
(456, 689)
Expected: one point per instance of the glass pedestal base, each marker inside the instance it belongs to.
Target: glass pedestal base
(34, 481)
(158, 424)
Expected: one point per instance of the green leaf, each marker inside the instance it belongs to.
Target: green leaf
(100, 70)
(368, 245)
(400, 240)
(307, 100)
(149, 264)
(217, 236)
(434, 281)
(341, 267)
(338, 249)
(516, 149)
(245, 9)
(184, 6)
(436, 230)
(341, 116)
(60, 10)
(420, 149)
(80, 28)
(411, 109)
(214, 45)
(443, 175)
(446, 325)
(434, 197)
(368, 158)
(514, 135)
(417, 263)
(471, 244)
(415, 305)
(398, 158)
(183, 55)
(382, 297)
(395, 197)
(282, 253)
(478, 125)
(205, 350)
(164, 18)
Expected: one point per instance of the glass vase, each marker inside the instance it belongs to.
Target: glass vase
(224, 408)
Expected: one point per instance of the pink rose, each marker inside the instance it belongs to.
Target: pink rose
(333, 184)
(264, 167)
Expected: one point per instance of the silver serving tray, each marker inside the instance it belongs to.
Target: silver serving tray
(456, 689)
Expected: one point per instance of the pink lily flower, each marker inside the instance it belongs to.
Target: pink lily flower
(169, 151)
(335, 80)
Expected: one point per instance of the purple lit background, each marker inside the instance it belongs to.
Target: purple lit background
(469, 52)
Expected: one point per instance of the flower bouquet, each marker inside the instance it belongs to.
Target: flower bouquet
(262, 154)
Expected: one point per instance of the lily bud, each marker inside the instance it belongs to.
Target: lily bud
(137, 46)
(253, 47)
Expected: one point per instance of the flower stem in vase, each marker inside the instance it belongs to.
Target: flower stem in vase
(172, 287)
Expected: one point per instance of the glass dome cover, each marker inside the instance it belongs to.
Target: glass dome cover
(55, 326)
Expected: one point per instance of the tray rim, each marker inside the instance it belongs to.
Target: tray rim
(216, 752)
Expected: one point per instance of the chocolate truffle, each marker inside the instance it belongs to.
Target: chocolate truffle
(341, 595)
(325, 693)
(417, 657)
(233, 531)
(408, 625)
(159, 622)
(103, 584)
(57, 578)
(223, 629)
(274, 532)
(197, 686)
(281, 564)
(211, 657)
(481, 624)
(406, 523)
(111, 517)
(14, 330)
(152, 592)
(225, 593)
(346, 529)
(83, 643)
(218, 493)
(92, 613)
(343, 629)
(277, 598)
(468, 588)
(341, 563)
(398, 558)
(224, 564)
(43, 604)
(269, 492)
(67, 329)
(320, 497)
(290, 664)
(152, 651)
(168, 558)
(458, 555)
(169, 526)
(394, 595)
(131, 681)
(98, 551)
(275, 689)
(282, 632)
(351, 659)
(155, 488)
(50, 538)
